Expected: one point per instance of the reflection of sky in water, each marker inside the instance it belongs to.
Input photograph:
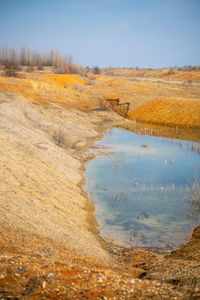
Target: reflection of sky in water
(139, 189)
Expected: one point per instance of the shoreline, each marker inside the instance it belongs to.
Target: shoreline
(116, 242)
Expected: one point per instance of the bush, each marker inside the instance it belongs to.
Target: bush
(96, 70)
(11, 70)
(59, 138)
(29, 69)
(40, 68)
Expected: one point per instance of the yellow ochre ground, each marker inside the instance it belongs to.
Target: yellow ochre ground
(155, 96)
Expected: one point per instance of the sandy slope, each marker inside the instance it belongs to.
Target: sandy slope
(40, 176)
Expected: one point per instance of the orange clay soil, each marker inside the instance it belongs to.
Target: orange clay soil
(168, 96)
(163, 97)
(169, 112)
(34, 267)
(43, 89)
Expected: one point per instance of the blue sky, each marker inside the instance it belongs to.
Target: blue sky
(107, 33)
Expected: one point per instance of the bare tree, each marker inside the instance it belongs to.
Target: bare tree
(13, 57)
(26, 57)
(4, 55)
(52, 58)
(22, 57)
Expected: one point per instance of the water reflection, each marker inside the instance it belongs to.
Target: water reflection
(192, 198)
(147, 190)
(187, 134)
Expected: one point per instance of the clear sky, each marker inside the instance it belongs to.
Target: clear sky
(106, 33)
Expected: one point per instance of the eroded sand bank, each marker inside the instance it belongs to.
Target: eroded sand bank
(42, 154)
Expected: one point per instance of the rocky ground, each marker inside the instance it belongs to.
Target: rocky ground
(50, 245)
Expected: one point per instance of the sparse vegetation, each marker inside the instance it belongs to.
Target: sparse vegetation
(193, 197)
(189, 68)
(11, 70)
(12, 58)
(96, 70)
(59, 138)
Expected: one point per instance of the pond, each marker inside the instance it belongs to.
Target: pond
(145, 189)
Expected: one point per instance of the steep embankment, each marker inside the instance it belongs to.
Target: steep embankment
(40, 174)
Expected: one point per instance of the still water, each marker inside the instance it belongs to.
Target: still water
(144, 189)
